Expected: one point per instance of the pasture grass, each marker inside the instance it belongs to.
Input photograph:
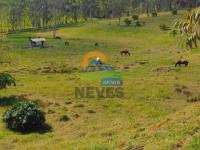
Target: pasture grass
(153, 114)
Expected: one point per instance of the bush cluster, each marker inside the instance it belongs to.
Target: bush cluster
(24, 117)
(139, 23)
(135, 21)
(127, 22)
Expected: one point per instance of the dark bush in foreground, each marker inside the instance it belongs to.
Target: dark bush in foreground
(25, 117)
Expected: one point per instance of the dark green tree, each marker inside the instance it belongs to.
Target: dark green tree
(6, 80)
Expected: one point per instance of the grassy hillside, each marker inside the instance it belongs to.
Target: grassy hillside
(155, 112)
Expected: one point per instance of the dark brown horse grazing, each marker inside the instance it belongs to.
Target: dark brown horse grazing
(180, 63)
(58, 37)
(125, 53)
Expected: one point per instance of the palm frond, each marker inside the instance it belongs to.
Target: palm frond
(189, 26)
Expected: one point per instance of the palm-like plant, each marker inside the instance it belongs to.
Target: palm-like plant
(6, 80)
(189, 28)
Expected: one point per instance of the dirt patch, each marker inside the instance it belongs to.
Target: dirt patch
(143, 62)
(159, 125)
(187, 93)
(5, 63)
(181, 88)
(58, 69)
(63, 69)
(64, 118)
(184, 92)
(107, 134)
(79, 106)
(76, 115)
(194, 99)
(51, 111)
(192, 93)
(164, 69)
(73, 77)
(179, 145)
(135, 148)
(127, 67)
(68, 103)
(194, 131)
(91, 112)
(56, 104)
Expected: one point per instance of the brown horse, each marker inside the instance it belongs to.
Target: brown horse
(125, 53)
(180, 63)
(57, 37)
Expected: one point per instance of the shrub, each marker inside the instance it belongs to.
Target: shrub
(24, 117)
(139, 23)
(154, 14)
(174, 11)
(135, 17)
(164, 27)
(6, 80)
(127, 22)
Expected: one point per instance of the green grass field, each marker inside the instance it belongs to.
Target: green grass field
(153, 115)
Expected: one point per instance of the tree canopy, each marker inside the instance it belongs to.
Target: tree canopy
(23, 14)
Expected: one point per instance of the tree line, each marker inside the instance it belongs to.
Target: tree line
(44, 14)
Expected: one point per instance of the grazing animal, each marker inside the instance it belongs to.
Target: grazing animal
(96, 44)
(125, 53)
(57, 37)
(180, 63)
(66, 43)
(32, 43)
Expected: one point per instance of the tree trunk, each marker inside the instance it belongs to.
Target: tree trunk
(170, 4)
(147, 9)
(119, 19)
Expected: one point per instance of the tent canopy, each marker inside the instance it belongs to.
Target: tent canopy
(38, 39)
